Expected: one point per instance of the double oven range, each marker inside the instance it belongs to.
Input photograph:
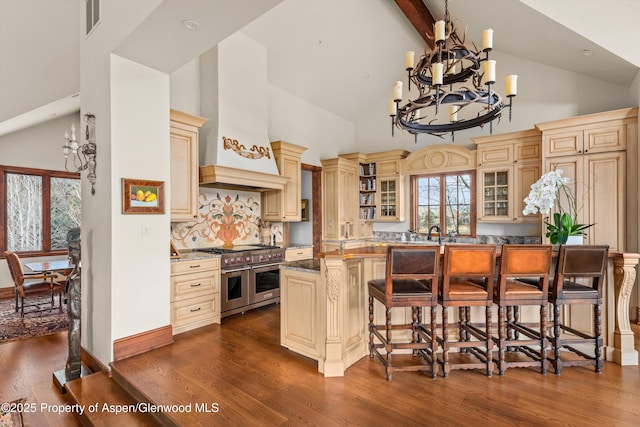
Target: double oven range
(250, 277)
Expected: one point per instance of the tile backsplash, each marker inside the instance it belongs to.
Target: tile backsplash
(225, 218)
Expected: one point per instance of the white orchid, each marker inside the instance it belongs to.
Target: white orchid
(542, 197)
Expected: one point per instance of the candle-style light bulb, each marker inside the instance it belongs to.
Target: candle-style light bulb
(409, 59)
(436, 78)
(397, 91)
(512, 85)
(453, 113)
(439, 31)
(490, 71)
(487, 39)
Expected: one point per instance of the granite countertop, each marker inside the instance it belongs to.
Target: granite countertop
(311, 265)
(297, 245)
(190, 255)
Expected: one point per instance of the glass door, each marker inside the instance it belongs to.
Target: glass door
(496, 194)
(388, 198)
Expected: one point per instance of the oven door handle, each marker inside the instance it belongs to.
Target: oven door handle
(265, 265)
(235, 270)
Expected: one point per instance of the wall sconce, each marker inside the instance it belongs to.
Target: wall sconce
(72, 149)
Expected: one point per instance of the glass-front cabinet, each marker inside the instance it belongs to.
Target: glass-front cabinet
(388, 189)
(507, 166)
(496, 188)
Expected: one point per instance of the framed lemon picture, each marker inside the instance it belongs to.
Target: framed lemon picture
(142, 196)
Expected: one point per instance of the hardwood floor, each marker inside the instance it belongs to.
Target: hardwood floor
(241, 369)
(26, 369)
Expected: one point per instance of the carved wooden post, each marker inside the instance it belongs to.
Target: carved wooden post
(335, 280)
(624, 277)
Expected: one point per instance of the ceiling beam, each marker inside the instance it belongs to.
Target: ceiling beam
(420, 17)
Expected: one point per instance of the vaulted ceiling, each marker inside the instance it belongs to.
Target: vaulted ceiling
(340, 55)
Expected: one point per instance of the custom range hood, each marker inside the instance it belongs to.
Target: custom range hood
(234, 94)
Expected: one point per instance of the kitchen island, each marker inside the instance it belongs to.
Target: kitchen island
(325, 315)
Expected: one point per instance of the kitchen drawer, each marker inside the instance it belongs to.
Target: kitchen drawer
(193, 284)
(195, 265)
(298, 254)
(195, 312)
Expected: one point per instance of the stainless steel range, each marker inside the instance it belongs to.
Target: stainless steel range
(250, 277)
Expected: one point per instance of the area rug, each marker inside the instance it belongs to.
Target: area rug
(11, 413)
(13, 327)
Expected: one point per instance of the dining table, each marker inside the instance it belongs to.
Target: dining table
(57, 265)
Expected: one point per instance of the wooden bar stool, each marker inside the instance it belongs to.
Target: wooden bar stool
(580, 272)
(411, 280)
(522, 262)
(467, 280)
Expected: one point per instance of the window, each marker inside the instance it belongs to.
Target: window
(447, 200)
(38, 208)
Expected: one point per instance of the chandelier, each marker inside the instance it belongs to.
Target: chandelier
(82, 156)
(454, 76)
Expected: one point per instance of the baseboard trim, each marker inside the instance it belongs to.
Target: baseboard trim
(142, 342)
(6, 293)
(91, 362)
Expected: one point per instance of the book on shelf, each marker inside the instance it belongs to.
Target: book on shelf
(367, 169)
(368, 213)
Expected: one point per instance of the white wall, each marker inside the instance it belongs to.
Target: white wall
(185, 88)
(296, 121)
(302, 232)
(38, 146)
(31, 23)
(101, 231)
(139, 243)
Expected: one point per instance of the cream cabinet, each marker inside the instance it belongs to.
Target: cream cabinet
(285, 205)
(339, 199)
(566, 142)
(381, 186)
(507, 166)
(296, 254)
(301, 319)
(195, 293)
(495, 189)
(599, 184)
(184, 177)
(591, 151)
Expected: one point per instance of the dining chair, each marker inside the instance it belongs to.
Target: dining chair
(32, 284)
(411, 280)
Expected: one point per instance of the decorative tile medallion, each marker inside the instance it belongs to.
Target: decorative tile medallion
(225, 218)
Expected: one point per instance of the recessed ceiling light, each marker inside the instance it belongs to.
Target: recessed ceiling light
(587, 52)
(190, 25)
